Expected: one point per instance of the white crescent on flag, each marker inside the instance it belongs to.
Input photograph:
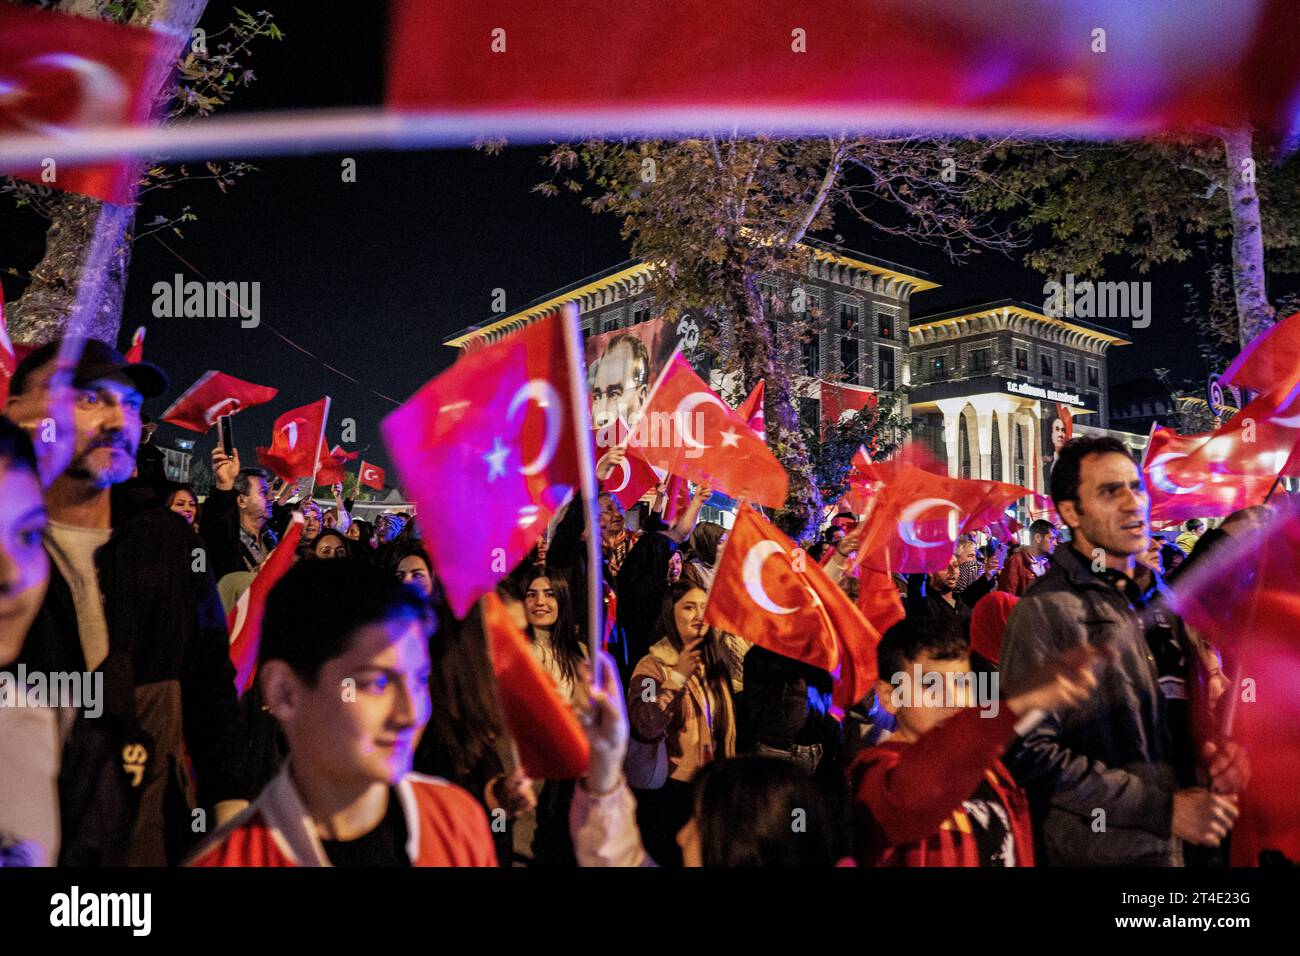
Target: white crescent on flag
(540, 391)
(908, 518)
(627, 476)
(216, 410)
(102, 93)
(370, 473)
(687, 405)
(1156, 471)
(291, 433)
(752, 572)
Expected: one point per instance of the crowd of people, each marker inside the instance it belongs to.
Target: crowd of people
(373, 733)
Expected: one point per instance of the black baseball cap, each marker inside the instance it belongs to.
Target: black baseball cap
(97, 361)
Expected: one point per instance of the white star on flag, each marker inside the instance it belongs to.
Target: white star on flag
(730, 439)
(496, 459)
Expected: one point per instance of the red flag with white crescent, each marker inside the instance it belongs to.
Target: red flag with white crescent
(213, 395)
(332, 461)
(1179, 489)
(687, 430)
(372, 476)
(136, 352)
(245, 619)
(61, 73)
(1261, 439)
(296, 440)
(489, 451)
(770, 592)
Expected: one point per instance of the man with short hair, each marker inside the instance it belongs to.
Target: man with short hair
(128, 598)
(620, 381)
(1029, 563)
(935, 595)
(236, 523)
(1116, 781)
(1192, 532)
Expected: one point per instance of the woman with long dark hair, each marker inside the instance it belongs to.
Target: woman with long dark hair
(682, 716)
(182, 500)
(552, 630)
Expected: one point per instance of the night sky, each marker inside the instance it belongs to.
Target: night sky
(372, 275)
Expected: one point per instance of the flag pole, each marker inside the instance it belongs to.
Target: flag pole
(586, 495)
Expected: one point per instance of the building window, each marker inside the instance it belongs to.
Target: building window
(885, 325)
(1022, 360)
(1092, 376)
(937, 368)
(810, 363)
(886, 367)
(1071, 375)
(1045, 364)
(849, 315)
(640, 312)
(609, 322)
(979, 361)
(849, 360)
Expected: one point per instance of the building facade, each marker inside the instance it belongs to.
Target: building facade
(986, 383)
(983, 384)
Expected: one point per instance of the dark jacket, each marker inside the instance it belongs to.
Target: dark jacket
(924, 601)
(167, 641)
(219, 527)
(1101, 775)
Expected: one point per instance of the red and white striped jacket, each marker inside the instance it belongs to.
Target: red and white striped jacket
(445, 827)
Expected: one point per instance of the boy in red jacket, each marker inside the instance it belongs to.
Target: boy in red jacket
(935, 793)
(344, 668)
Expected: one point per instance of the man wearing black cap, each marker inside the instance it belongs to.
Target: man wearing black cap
(143, 610)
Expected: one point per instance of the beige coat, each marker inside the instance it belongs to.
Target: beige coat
(694, 732)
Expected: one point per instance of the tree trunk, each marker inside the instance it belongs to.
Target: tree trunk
(1254, 313)
(803, 506)
(41, 313)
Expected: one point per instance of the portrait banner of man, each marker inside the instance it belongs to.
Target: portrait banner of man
(622, 367)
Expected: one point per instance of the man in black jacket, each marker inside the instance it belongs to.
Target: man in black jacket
(1112, 780)
(130, 596)
(237, 517)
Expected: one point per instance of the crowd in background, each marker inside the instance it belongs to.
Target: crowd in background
(373, 732)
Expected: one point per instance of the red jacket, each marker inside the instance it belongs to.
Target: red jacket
(1017, 574)
(445, 827)
(907, 807)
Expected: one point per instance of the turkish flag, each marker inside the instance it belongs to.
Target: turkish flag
(918, 516)
(687, 430)
(1259, 440)
(878, 598)
(213, 395)
(751, 411)
(1179, 490)
(768, 591)
(1269, 362)
(1244, 596)
(489, 451)
(633, 477)
(999, 65)
(332, 461)
(61, 73)
(245, 619)
(136, 352)
(551, 744)
(8, 360)
(372, 476)
(296, 442)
